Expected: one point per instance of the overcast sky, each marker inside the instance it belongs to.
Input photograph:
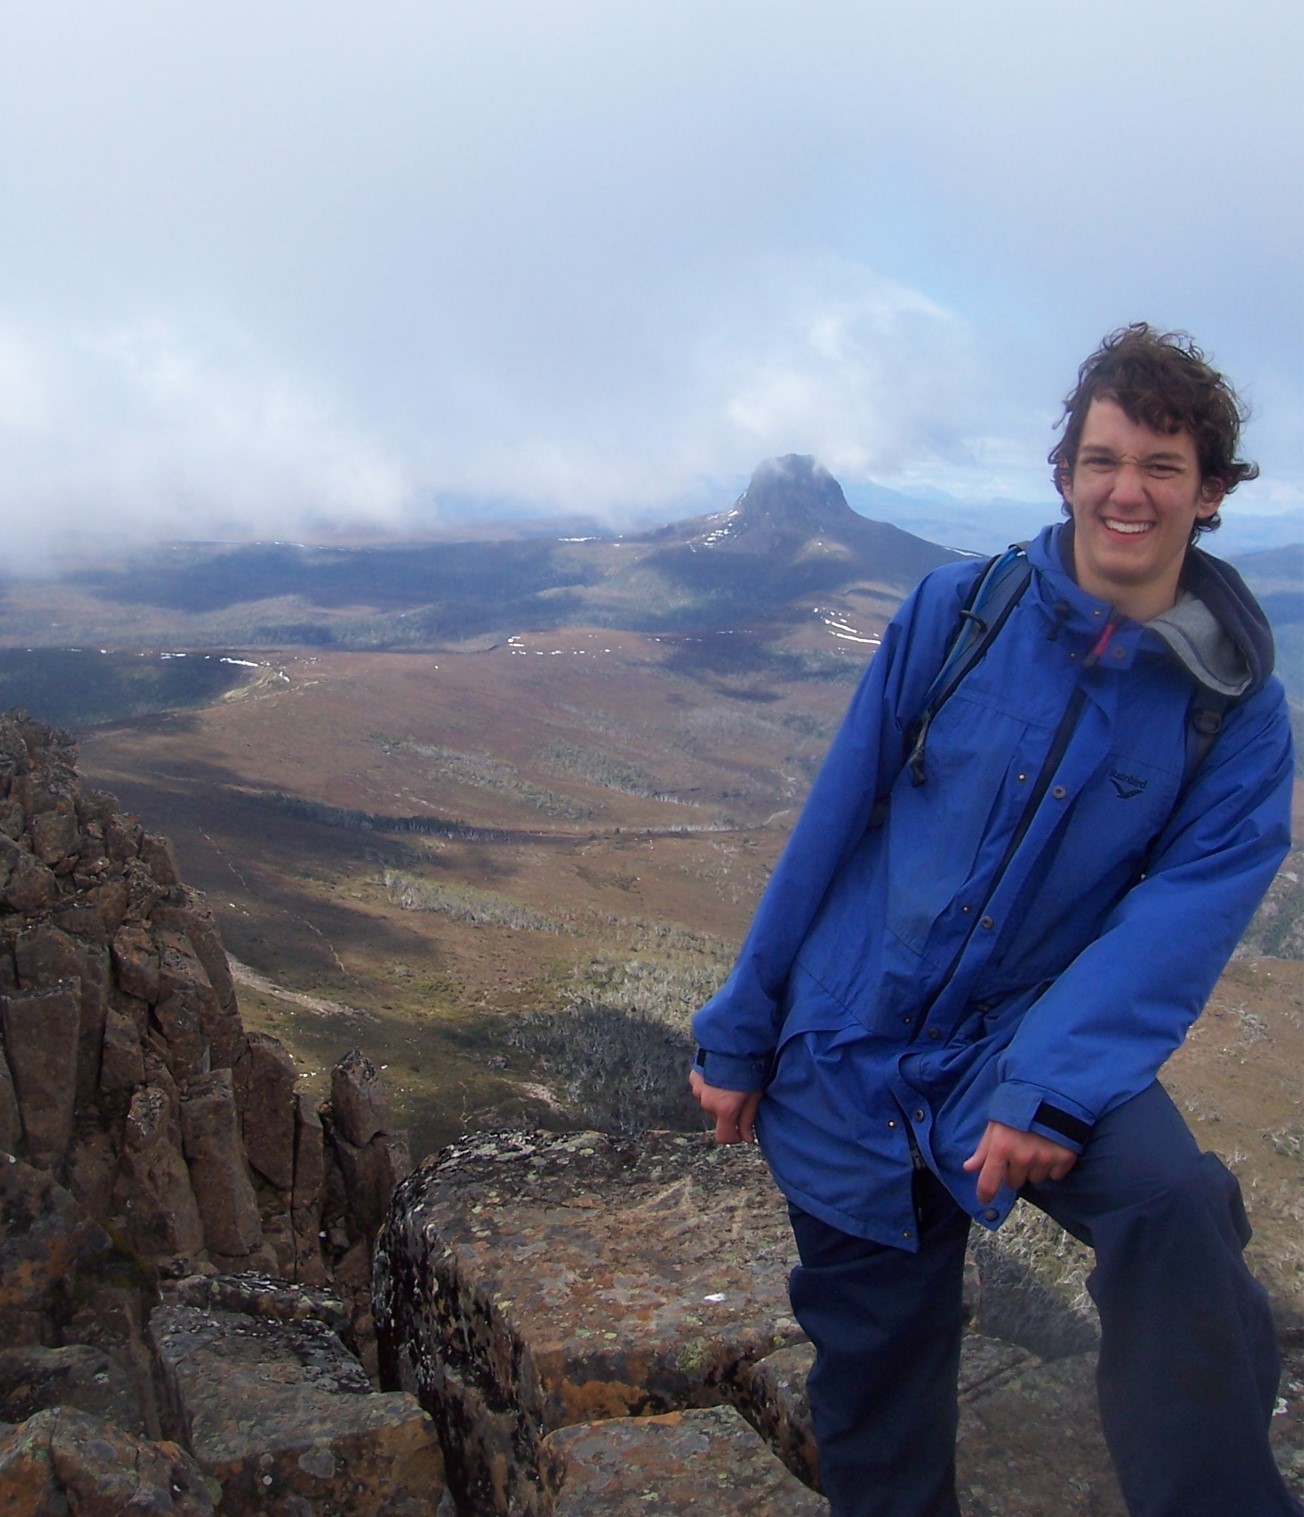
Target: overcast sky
(271, 267)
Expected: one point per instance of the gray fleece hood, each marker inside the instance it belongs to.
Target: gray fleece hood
(1217, 629)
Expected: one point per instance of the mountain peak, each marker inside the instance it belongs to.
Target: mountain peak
(793, 494)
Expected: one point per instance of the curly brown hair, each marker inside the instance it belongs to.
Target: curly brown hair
(1162, 381)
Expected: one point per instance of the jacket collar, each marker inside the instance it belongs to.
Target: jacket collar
(1217, 630)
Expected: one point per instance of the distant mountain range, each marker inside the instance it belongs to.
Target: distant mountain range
(788, 543)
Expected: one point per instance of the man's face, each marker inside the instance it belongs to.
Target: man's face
(1135, 496)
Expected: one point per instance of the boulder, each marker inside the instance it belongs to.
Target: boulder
(285, 1420)
(529, 1282)
(681, 1464)
(63, 1460)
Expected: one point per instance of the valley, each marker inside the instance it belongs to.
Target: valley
(507, 858)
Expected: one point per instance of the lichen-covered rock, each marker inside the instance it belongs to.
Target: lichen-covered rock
(258, 1295)
(284, 1418)
(681, 1464)
(774, 1393)
(528, 1282)
(69, 1461)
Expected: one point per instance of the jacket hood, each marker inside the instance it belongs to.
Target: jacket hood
(1216, 630)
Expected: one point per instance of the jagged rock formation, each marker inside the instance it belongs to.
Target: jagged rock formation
(147, 1137)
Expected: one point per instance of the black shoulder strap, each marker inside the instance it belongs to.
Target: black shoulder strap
(994, 595)
(1205, 719)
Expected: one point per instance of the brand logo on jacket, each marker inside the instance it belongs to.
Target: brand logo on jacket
(1128, 786)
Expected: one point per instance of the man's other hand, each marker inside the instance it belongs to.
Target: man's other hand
(734, 1111)
(1010, 1157)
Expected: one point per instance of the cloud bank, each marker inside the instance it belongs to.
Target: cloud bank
(294, 269)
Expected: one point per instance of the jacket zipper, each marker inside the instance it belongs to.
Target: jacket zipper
(1059, 745)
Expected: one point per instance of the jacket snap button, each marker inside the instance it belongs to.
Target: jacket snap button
(907, 1020)
(1120, 652)
(906, 1233)
(934, 1034)
(919, 1114)
(891, 1121)
(1059, 792)
(991, 1214)
(986, 923)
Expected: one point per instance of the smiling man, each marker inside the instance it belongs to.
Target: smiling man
(997, 916)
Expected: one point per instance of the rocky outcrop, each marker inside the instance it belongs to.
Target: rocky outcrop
(146, 1136)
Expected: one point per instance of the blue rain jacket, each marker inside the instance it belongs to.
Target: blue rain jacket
(1027, 935)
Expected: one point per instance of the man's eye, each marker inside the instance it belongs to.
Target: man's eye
(1162, 471)
(1099, 465)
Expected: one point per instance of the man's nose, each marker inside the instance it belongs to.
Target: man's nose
(1129, 485)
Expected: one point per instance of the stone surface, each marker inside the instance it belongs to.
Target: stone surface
(11, 1122)
(47, 1244)
(308, 1192)
(284, 1418)
(210, 1129)
(41, 1027)
(1013, 1457)
(66, 1461)
(265, 1080)
(154, 1192)
(77, 1376)
(359, 1105)
(774, 1393)
(682, 1464)
(527, 1282)
(370, 1175)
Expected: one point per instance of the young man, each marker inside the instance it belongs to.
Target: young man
(966, 974)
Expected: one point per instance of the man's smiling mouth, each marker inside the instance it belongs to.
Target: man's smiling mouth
(1131, 528)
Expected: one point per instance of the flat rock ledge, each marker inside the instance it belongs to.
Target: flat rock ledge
(598, 1324)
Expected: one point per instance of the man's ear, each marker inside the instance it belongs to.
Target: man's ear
(1212, 494)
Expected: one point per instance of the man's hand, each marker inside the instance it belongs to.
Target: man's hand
(1007, 1156)
(734, 1110)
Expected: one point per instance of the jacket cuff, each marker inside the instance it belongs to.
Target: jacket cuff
(730, 1072)
(1026, 1108)
(1061, 1126)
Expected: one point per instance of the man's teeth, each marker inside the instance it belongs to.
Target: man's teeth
(1128, 526)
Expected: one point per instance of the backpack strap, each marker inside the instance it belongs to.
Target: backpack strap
(994, 595)
(1205, 719)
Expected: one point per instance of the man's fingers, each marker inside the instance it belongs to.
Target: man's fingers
(734, 1111)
